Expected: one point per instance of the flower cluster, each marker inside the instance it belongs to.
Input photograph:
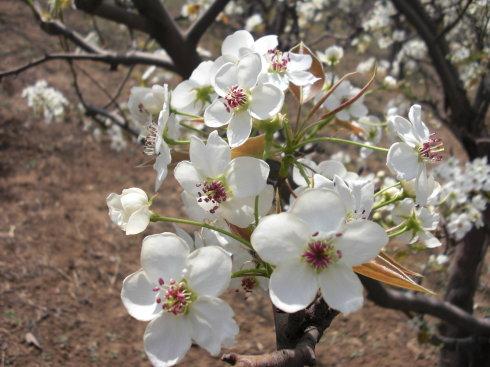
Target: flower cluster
(46, 101)
(464, 194)
(243, 157)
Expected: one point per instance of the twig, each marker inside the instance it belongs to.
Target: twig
(207, 18)
(410, 302)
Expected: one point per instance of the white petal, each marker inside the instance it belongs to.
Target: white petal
(299, 62)
(209, 270)
(280, 237)
(341, 288)
(293, 286)
(358, 109)
(211, 158)
(404, 129)
(167, 339)
(267, 100)
(184, 94)
(239, 212)
(134, 198)
(420, 129)
(187, 176)
(239, 128)
(403, 161)
(138, 297)
(309, 166)
(212, 324)
(161, 165)
(201, 75)
(360, 241)
(192, 208)
(249, 69)
(164, 256)
(429, 240)
(247, 176)
(302, 78)
(321, 209)
(225, 78)
(265, 43)
(423, 188)
(331, 168)
(233, 43)
(217, 113)
(345, 194)
(138, 221)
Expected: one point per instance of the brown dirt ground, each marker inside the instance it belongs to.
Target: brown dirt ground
(62, 261)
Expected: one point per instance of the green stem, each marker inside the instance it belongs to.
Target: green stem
(159, 218)
(388, 202)
(399, 232)
(387, 188)
(186, 114)
(338, 140)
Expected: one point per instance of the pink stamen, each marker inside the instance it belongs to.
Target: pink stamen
(213, 192)
(430, 150)
(236, 97)
(279, 60)
(321, 254)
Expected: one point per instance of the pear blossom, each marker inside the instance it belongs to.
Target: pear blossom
(419, 223)
(322, 174)
(130, 210)
(357, 197)
(176, 291)
(312, 246)
(242, 98)
(287, 67)
(219, 184)
(332, 55)
(408, 159)
(144, 103)
(194, 94)
(341, 94)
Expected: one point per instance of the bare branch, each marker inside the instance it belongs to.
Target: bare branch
(93, 111)
(167, 33)
(130, 58)
(114, 13)
(455, 22)
(200, 26)
(410, 302)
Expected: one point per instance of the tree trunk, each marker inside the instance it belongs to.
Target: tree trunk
(464, 273)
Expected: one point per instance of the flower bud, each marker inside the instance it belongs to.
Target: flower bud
(130, 210)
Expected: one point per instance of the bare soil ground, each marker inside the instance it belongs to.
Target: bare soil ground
(62, 262)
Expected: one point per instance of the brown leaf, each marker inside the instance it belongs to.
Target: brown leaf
(377, 271)
(351, 100)
(244, 233)
(396, 264)
(303, 94)
(253, 147)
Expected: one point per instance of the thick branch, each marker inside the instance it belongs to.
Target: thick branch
(166, 32)
(114, 13)
(200, 26)
(130, 58)
(315, 320)
(463, 122)
(410, 302)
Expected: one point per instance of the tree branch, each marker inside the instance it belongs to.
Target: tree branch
(207, 18)
(113, 13)
(411, 302)
(113, 59)
(314, 321)
(167, 33)
(94, 53)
